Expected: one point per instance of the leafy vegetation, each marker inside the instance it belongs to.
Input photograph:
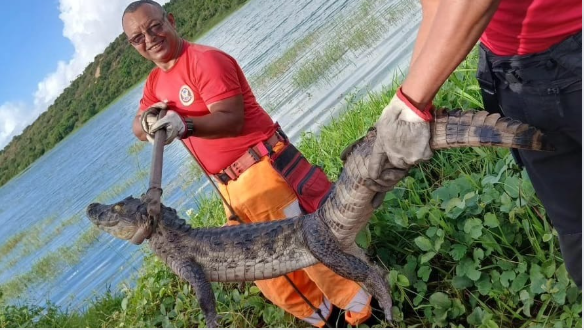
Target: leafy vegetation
(464, 239)
(104, 80)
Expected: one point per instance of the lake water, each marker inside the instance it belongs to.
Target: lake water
(50, 198)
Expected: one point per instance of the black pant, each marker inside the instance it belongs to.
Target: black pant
(545, 90)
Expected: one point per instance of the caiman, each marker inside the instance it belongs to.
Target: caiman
(270, 249)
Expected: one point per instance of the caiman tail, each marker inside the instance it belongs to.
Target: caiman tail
(351, 201)
(456, 128)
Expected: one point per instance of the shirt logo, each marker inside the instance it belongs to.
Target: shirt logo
(186, 95)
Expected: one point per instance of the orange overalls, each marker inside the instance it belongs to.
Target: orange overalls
(261, 194)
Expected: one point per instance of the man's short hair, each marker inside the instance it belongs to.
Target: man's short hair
(137, 4)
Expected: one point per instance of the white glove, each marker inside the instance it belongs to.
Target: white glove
(149, 117)
(403, 136)
(173, 123)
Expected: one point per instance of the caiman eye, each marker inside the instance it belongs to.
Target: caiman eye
(118, 207)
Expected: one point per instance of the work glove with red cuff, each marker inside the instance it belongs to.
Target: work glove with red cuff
(173, 123)
(403, 136)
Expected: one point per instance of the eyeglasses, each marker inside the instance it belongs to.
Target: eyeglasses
(153, 30)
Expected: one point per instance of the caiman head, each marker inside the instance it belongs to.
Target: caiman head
(126, 219)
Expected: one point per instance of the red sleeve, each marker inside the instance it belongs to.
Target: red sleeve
(149, 97)
(216, 74)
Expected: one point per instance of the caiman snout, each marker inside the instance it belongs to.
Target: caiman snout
(92, 212)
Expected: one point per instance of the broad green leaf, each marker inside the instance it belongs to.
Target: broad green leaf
(442, 194)
(512, 184)
(438, 243)
(484, 284)
(477, 317)
(461, 282)
(427, 257)
(527, 301)
(537, 279)
(424, 273)
(491, 220)
(573, 295)
(162, 309)
(505, 265)
(235, 295)
(490, 179)
(400, 218)
(489, 194)
(448, 204)
(423, 243)
(468, 267)
(560, 295)
(363, 238)
(421, 287)
(178, 305)
(527, 189)
(478, 254)
(464, 184)
(473, 227)
(457, 309)
(562, 275)
(402, 280)
(254, 290)
(547, 237)
(440, 300)
(519, 282)
(469, 196)
(473, 274)
(457, 252)
(507, 276)
(521, 267)
(392, 277)
(548, 267)
(125, 303)
(430, 232)
(421, 212)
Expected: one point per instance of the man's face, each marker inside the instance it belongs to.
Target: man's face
(153, 35)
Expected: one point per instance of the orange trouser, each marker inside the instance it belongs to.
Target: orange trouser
(261, 194)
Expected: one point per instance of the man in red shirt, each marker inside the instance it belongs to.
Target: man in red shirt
(530, 69)
(213, 112)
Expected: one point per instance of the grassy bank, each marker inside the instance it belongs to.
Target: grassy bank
(464, 240)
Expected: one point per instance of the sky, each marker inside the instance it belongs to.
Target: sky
(46, 45)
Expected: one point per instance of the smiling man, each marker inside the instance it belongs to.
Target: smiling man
(212, 110)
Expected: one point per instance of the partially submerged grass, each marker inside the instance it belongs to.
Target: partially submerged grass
(360, 30)
(356, 33)
(50, 266)
(116, 190)
(35, 240)
(25, 239)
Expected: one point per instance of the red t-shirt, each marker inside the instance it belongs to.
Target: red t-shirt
(201, 76)
(522, 27)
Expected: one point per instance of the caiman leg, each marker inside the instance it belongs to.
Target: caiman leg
(326, 249)
(193, 273)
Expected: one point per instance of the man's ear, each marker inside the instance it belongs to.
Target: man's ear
(170, 18)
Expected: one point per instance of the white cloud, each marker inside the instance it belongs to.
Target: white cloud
(91, 25)
(14, 119)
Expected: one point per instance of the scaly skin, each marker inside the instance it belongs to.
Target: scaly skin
(239, 253)
(266, 250)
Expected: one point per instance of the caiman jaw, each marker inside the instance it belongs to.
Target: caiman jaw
(117, 222)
